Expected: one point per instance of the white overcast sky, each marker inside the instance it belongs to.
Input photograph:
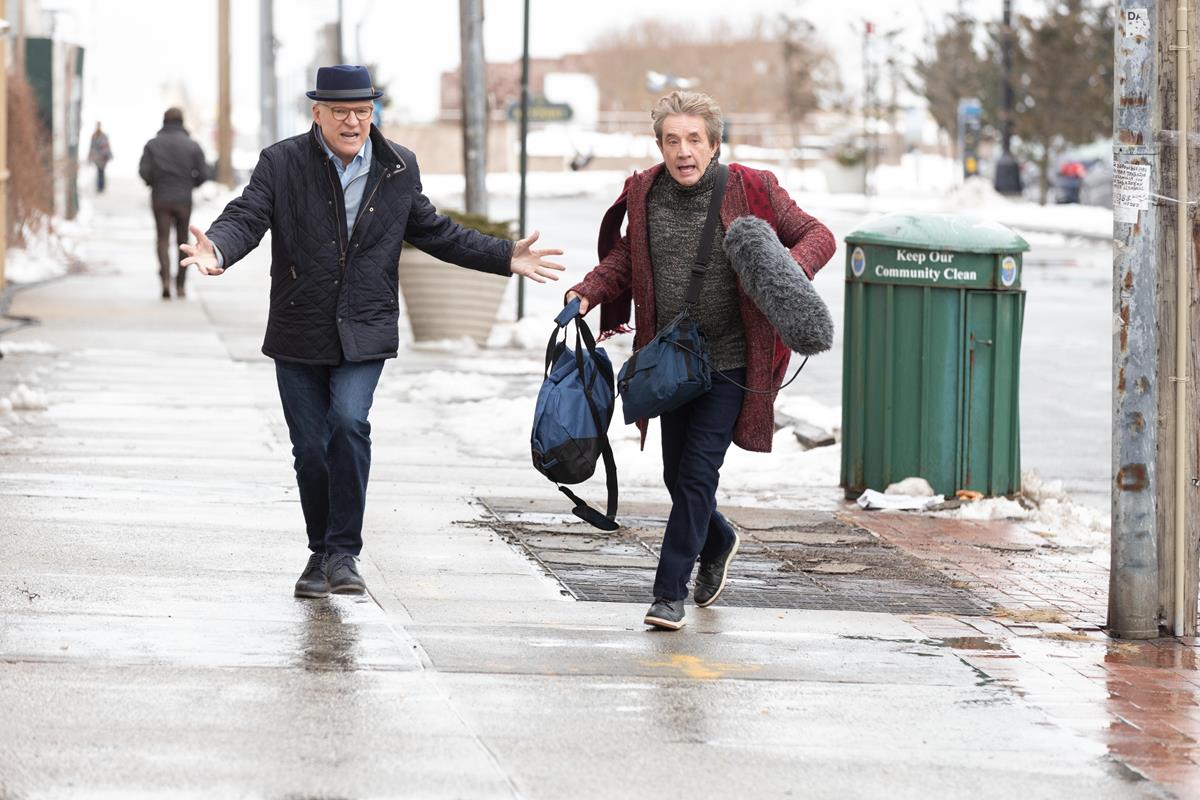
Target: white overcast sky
(136, 47)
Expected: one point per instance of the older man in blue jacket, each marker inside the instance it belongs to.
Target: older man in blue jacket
(340, 201)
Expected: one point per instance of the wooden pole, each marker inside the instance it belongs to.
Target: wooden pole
(224, 104)
(4, 144)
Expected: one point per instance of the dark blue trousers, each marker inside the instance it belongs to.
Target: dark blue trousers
(695, 439)
(326, 411)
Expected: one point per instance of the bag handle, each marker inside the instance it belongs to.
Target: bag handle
(554, 348)
(706, 237)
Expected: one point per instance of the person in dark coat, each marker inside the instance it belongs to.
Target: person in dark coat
(650, 265)
(99, 153)
(172, 166)
(340, 201)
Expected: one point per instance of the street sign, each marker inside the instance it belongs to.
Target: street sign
(541, 110)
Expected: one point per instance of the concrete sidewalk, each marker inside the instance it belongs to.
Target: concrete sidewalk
(150, 645)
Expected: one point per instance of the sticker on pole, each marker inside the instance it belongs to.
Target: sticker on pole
(1137, 22)
(1008, 271)
(1131, 190)
(858, 262)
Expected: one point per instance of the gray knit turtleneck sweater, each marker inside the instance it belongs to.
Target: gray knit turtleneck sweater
(677, 215)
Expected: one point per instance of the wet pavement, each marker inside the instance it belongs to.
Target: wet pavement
(150, 646)
(786, 559)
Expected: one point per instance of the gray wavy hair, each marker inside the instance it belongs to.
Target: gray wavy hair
(693, 104)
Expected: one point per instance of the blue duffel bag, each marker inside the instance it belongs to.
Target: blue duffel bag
(669, 372)
(570, 421)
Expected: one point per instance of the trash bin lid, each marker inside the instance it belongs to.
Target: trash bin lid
(955, 232)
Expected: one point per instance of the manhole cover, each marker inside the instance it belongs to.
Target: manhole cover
(788, 559)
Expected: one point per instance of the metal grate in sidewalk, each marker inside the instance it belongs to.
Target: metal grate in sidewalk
(788, 559)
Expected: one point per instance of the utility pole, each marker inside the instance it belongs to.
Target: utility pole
(1008, 172)
(524, 150)
(474, 94)
(224, 124)
(19, 39)
(341, 56)
(1156, 519)
(268, 109)
(868, 102)
(4, 141)
(1178, 512)
(1133, 593)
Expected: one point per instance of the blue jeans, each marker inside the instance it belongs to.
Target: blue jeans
(326, 411)
(695, 439)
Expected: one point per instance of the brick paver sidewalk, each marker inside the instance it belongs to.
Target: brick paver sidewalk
(1044, 639)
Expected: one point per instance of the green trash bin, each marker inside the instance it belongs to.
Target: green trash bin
(931, 364)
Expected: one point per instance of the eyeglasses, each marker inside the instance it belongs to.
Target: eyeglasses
(362, 113)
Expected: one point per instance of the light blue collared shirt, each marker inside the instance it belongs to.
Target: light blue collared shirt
(353, 177)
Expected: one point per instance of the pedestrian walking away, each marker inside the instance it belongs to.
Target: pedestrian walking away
(99, 153)
(650, 265)
(172, 166)
(340, 201)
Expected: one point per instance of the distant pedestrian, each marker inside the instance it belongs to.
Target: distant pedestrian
(340, 201)
(99, 153)
(172, 166)
(651, 264)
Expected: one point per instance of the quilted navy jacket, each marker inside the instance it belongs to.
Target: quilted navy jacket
(334, 293)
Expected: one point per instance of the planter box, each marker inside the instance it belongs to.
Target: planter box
(844, 180)
(445, 301)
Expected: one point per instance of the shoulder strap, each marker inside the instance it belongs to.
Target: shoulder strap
(706, 237)
(583, 338)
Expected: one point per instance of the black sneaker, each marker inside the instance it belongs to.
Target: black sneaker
(313, 582)
(710, 578)
(342, 572)
(666, 614)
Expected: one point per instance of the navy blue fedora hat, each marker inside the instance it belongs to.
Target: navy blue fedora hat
(344, 82)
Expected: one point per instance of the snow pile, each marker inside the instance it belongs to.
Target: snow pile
(992, 508)
(23, 398)
(1054, 514)
(812, 411)
(46, 255)
(531, 333)
(914, 487)
(5, 433)
(8, 348)
(6, 409)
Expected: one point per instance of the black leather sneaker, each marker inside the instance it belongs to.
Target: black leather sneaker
(342, 572)
(710, 577)
(666, 614)
(313, 582)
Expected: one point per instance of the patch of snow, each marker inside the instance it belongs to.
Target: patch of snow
(6, 408)
(10, 348)
(992, 508)
(1039, 490)
(465, 345)
(440, 387)
(23, 398)
(5, 433)
(812, 411)
(531, 333)
(914, 487)
(47, 254)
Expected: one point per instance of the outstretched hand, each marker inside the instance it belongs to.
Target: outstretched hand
(202, 253)
(530, 263)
